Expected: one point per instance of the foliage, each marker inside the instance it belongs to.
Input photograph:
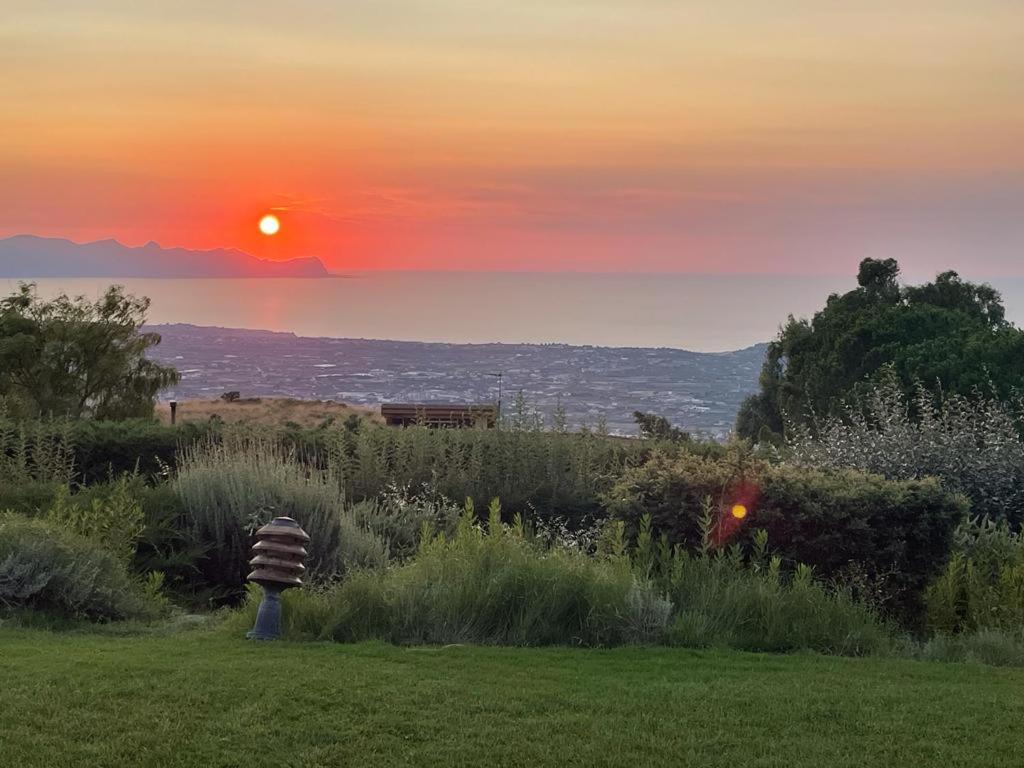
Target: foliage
(168, 546)
(896, 534)
(654, 427)
(492, 585)
(109, 448)
(722, 598)
(398, 517)
(229, 489)
(30, 498)
(114, 520)
(549, 474)
(971, 443)
(500, 585)
(982, 585)
(72, 357)
(43, 566)
(35, 452)
(948, 333)
(987, 646)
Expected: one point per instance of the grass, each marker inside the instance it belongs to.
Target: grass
(205, 699)
(271, 411)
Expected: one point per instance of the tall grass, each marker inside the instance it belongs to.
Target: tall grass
(35, 452)
(488, 584)
(551, 474)
(498, 584)
(231, 488)
(982, 585)
(723, 596)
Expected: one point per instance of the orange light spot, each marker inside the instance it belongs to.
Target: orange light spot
(739, 511)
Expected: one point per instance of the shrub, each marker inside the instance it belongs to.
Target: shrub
(982, 585)
(35, 452)
(114, 520)
(30, 498)
(897, 534)
(986, 646)
(231, 488)
(168, 546)
(43, 567)
(499, 585)
(490, 585)
(104, 449)
(548, 473)
(721, 602)
(972, 444)
(496, 586)
(722, 598)
(398, 517)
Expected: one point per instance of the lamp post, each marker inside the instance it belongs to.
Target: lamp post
(497, 375)
(277, 565)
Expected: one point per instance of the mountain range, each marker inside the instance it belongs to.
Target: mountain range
(27, 256)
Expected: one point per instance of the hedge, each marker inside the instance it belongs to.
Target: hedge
(887, 537)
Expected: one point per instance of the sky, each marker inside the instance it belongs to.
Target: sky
(708, 136)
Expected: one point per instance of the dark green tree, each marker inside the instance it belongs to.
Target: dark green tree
(76, 358)
(654, 427)
(948, 334)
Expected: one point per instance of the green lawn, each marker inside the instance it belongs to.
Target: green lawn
(201, 699)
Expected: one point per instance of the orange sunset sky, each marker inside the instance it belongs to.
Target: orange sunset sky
(794, 136)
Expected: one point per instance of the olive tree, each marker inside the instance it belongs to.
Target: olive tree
(76, 358)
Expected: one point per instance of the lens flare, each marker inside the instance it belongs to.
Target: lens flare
(739, 511)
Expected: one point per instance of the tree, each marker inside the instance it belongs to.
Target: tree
(949, 334)
(76, 358)
(654, 427)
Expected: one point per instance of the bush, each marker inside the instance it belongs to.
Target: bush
(499, 585)
(398, 517)
(553, 475)
(229, 489)
(34, 452)
(43, 567)
(114, 520)
(722, 598)
(896, 535)
(721, 602)
(986, 646)
(30, 498)
(972, 444)
(104, 449)
(982, 585)
(487, 586)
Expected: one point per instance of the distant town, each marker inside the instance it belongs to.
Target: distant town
(594, 386)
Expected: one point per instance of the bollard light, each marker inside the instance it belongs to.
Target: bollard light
(277, 565)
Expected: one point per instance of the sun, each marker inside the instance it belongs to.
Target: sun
(269, 224)
(739, 511)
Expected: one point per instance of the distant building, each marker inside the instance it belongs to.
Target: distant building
(440, 415)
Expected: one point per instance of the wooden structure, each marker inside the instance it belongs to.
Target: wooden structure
(440, 415)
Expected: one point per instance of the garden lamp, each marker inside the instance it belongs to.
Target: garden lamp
(277, 565)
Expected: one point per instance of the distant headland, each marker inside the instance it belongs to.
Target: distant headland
(28, 256)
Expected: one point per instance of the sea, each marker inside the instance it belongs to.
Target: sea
(704, 313)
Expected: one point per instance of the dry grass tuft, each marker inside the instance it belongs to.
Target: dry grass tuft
(271, 411)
